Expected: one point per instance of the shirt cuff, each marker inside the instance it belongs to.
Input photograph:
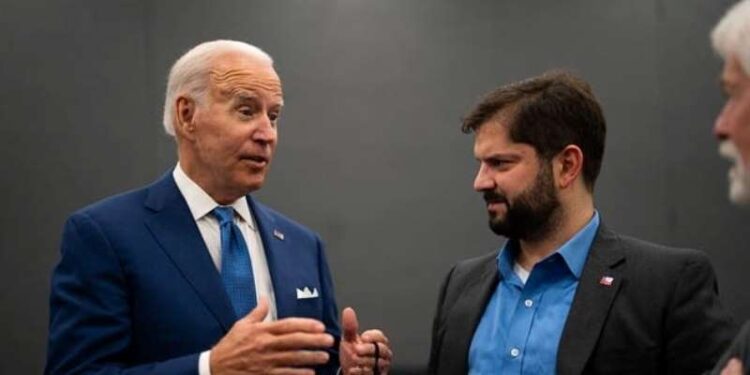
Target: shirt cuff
(204, 363)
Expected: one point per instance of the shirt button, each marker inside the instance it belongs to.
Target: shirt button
(528, 303)
(514, 352)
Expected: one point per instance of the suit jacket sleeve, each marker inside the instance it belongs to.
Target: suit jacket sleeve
(89, 330)
(436, 324)
(697, 327)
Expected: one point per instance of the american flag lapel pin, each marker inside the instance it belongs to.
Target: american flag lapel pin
(606, 280)
(278, 234)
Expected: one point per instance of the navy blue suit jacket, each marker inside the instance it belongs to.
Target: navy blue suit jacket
(136, 291)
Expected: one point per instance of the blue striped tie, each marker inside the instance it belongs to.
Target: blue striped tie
(236, 268)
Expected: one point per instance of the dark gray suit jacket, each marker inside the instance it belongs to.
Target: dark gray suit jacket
(661, 315)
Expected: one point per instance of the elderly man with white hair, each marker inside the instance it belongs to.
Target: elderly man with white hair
(191, 274)
(731, 39)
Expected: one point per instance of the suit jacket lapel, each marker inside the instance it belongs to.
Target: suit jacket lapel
(175, 230)
(464, 315)
(591, 303)
(274, 245)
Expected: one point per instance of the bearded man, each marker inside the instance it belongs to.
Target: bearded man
(565, 294)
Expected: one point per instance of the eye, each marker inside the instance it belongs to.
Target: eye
(246, 110)
(498, 164)
(274, 116)
(492, 162)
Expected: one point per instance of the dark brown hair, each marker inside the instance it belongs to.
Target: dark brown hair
(549, 112)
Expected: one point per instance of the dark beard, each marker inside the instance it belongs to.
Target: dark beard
(533, 214)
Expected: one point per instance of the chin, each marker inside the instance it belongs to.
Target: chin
(739, 189)
(739, 174)
(251, 183)
(253, 187)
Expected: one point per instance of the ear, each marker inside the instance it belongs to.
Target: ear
(568, 166)
(184, 117)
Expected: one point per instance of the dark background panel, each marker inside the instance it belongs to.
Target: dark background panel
(370, 155)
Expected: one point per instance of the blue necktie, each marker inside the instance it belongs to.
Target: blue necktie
(236, 268)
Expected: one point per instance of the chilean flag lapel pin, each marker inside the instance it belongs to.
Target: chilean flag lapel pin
(606, 280)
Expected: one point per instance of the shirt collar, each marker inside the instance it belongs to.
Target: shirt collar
(201, 204)
(574, 252)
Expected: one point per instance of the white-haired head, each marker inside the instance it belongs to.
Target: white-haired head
(731, 36)
(190, 73)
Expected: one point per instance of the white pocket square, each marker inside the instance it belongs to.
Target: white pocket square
(306, 293)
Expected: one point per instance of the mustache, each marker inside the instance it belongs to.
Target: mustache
(728, 150)
(494, 197)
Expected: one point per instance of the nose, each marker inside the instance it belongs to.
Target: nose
(266, 130)
(721, 125)
(482, 181)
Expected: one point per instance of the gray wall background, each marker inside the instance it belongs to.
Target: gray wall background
(370, 152)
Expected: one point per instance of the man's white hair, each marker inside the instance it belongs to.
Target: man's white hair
(731, 36)
(190, 73)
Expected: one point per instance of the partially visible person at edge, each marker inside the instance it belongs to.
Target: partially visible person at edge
(731, 40)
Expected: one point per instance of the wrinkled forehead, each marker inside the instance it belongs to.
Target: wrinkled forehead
(235, 74)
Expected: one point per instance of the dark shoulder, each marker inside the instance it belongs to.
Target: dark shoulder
(662, 255)
(119, 206)
(473, 264)
(468, 269)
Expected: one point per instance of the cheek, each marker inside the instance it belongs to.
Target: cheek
(741, 125)
(514, 184)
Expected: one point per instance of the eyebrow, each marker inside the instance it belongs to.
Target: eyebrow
(244, 96)
(513, 156)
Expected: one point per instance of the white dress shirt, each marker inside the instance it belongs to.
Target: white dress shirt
(201, 205)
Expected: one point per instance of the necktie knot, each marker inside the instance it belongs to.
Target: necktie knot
(225, 214)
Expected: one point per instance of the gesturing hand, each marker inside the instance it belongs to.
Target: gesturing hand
(285, 346)
(358, 353)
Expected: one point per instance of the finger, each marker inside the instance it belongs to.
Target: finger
(349, 324)
(374, 335)
(734, 366)
(367, 362)
(384, 365)
(387, 354)
(367, 349)
(299, 358)
(259, 312)
(301, 340)
(360, 371)
(291, 325)
(291, 371)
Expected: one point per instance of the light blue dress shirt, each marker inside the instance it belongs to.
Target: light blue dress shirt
(520, 330)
